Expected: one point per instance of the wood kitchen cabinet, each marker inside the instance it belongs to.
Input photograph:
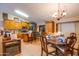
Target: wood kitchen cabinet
(9, 24)
(49, 26)
(11, 47)
(12, 24)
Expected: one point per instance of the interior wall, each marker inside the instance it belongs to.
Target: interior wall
(69, 27)
(1, 21)
(11, 17)
(77, 30)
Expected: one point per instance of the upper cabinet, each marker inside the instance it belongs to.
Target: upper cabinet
(26, 24)
(18, 25)
(50, 26)
(11, 24)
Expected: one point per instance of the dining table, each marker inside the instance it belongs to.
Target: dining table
(59, 46)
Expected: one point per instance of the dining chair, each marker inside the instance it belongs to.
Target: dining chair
(69, 46)
(78, 51)
(45, 47)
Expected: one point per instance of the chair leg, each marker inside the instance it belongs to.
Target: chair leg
(41, 52)
(46, 54)
(56, 52)
(78, 50)
(72, 52)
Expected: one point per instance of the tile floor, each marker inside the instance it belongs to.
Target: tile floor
(30, 49)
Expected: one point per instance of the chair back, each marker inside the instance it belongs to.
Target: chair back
(70, 41)
(44, 43)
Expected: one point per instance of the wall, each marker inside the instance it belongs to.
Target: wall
(66, 28)
(1, 20)
(77, 30)
(1, 49)
(76, 18)
(11, 18)
(69, 27)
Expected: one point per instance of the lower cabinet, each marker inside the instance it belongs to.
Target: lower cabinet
(11, 48)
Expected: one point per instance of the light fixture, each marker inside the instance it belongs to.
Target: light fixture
(60, 13)
(21, 13)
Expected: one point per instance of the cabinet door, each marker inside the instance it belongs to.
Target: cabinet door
(9, 24)
(18, 25)
(6, 24)
(49, 27)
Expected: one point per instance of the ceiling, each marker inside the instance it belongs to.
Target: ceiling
(39, 12)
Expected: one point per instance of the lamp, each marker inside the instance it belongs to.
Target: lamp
(60, 13)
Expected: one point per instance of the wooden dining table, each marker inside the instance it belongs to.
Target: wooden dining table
(55, 42)
(57, 45)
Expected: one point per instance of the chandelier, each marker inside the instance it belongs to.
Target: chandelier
(60, 13)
